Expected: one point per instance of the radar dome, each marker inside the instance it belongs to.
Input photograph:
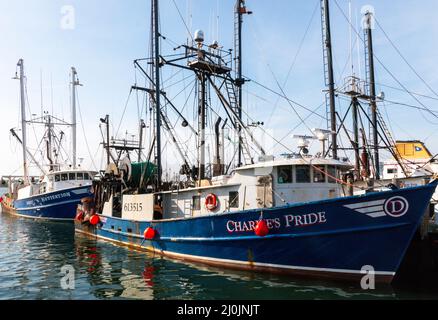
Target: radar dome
(199, 36)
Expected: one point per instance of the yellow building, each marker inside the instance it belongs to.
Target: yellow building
(413, 150)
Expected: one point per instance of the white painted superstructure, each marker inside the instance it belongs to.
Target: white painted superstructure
(263, 185)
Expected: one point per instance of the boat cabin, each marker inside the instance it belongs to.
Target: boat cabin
(262, 185)
(56, 181)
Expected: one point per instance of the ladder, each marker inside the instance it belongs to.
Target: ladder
(187, 208)
(231, 92)
(391, 141)
(174, 203)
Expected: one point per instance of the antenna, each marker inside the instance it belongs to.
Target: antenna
(322, 135)
(303, 143)
(41, 87)
(351, 36)
(358, 47)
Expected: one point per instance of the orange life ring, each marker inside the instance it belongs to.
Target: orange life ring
(211, 202)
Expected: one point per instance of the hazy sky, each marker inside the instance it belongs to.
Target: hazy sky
(106, 36)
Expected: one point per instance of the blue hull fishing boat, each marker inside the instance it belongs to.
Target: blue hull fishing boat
(334, 238)
(56, 194)
(58, 205)
(290, 214)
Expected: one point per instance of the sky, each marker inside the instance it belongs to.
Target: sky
(282, 51)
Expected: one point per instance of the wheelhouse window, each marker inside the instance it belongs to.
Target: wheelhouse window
(234, 199)
(285, 174)
(392, 171)
(302, 174)
(80, 175)
(332, 174)
(319, 174)
(86, 176)
(57, 178)
(196, 202)
(71, 176)
(64, 177)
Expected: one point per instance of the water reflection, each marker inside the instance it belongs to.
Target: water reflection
(32, 254)
(141, 275)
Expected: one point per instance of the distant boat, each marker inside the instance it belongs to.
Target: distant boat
(56, 194)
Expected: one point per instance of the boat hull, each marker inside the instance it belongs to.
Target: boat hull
(339, 239)
(60, 205)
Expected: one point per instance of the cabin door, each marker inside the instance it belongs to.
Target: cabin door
(265, 192)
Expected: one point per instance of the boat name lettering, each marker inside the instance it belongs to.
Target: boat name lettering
(56, 196)
(305, 220)
(276, 223)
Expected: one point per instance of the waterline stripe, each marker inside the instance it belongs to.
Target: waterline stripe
(238, 262)
(254, 237)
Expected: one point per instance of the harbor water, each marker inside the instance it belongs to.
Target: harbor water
(34, 255)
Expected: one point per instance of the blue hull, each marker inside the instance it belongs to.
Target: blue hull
(59, 205)
(333, 238)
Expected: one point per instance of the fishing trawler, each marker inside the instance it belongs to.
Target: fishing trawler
(56, 194)
(292, 214)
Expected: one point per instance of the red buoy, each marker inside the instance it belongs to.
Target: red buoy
(1, 199)
(149, 233)
(94, 220)
(261, 228)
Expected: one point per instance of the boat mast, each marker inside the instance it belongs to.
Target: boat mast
(202, 123)
(49, 126)
(156, 42)
(329, 74)
(74, 83)
(355, 110)
(372, 84)
(239, 81)
(23, 120)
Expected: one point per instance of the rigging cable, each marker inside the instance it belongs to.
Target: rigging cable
(404, 59)
(287, 98)
(182, 19)
(386, 69)
(123, 114)
(83, 131)
(295, 57)
(290, 104)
